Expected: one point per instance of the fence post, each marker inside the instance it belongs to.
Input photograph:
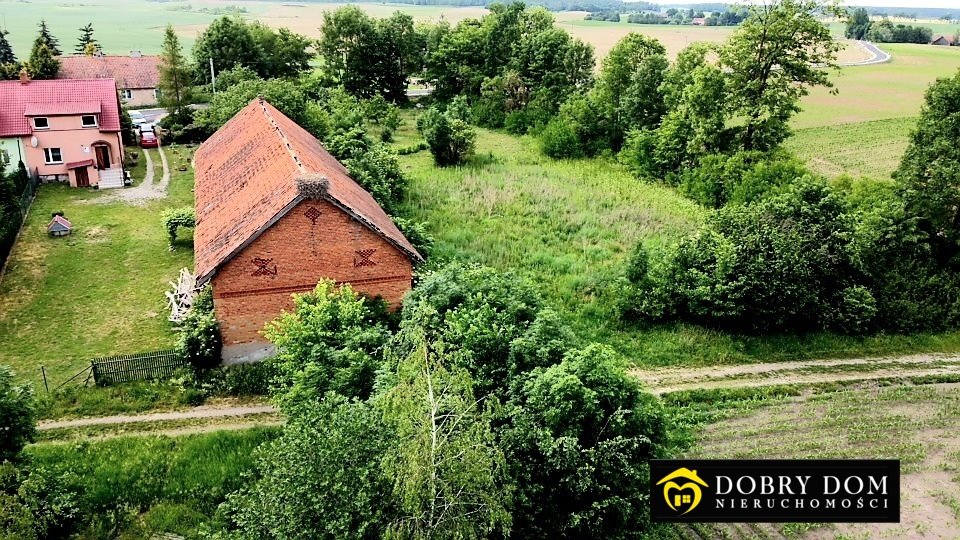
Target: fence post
(44, 371)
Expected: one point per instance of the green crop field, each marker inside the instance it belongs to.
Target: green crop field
(864, 149)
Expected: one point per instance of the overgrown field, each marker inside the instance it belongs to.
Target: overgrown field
(147, 484)
(96, 292)
(570, 225)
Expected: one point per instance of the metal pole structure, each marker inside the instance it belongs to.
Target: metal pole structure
(213, 78)
(44, 371)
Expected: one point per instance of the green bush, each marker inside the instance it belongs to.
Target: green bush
(783, 263)
(331, 341)
(559, 140)
(17, 416)
(451, 140)
(200, 342)
(578, 440)
(175, 218)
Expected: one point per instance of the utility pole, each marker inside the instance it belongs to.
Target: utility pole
(213, 78)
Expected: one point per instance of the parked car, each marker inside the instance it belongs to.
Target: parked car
(147, 128)
(137, 117)
(148, 140)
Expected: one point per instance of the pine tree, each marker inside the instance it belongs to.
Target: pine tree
(174, 76)
(6, 51)
(43, 64)
(46, 38)
(86, 44)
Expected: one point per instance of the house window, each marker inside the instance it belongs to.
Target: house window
(41, 122)
(126, 93)
(88, 120)
(52, 156)
(156, 93)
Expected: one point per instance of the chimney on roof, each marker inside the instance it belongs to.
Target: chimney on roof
(135, 54)
(24, 76)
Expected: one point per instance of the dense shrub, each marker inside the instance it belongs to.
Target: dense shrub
(200, 342)
(417, 233)
(783, 263)
(578, 443)
(476, 313)
(320, 479)
(175, 218)
(17, 416)
(451, 140)
(332, 341)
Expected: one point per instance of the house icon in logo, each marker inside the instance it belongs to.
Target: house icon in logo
(674, 494)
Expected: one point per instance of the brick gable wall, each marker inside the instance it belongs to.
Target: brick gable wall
(292, 256)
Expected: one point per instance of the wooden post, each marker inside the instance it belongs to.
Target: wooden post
(44, 371)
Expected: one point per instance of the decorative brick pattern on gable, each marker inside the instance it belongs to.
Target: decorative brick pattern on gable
(275, 214)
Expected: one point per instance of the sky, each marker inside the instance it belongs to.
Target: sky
(948, 4)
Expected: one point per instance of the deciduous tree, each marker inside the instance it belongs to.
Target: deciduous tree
(773, 58)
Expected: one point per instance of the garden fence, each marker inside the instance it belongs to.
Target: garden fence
(136, 367)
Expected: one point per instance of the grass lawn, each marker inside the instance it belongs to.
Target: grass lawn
(161, 484)
(96, 292)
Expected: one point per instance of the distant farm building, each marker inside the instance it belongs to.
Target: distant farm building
(59, 226)
(275, 214)
(699, 21)
(942, 40)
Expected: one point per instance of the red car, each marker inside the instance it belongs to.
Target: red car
(148, 140)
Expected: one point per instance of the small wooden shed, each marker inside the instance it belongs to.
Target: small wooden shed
(59, 226)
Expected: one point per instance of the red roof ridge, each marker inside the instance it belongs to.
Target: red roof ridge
(283, 138)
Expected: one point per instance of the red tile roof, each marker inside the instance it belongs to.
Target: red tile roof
(256, 168)
(62, 108)
(128, 71)
(16, 98)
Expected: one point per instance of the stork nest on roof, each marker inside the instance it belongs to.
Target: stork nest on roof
(313, 186)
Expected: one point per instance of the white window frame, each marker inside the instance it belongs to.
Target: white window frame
(44, 118)
(94, 124)
(126, 93)
(48, 156)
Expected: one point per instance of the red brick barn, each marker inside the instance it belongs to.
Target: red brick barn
(275, 214)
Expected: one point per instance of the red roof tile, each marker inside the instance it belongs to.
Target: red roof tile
(16, 98)
(248, 175)
(128, 71)
(62, 108)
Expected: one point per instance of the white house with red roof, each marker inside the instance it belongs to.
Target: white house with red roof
(63, 130)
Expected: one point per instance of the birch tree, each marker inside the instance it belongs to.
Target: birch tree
(447, 468)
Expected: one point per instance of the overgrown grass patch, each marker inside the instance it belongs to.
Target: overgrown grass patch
(570, 226)
(175, 482)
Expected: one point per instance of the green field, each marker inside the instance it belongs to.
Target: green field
(865, 149)
(96, 292)
(892, 90)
